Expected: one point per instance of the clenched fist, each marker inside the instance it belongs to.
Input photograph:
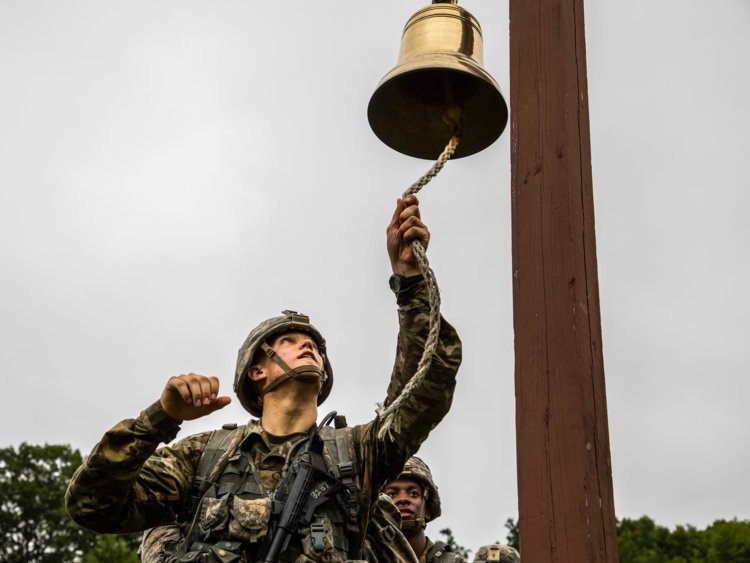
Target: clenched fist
(191, 396)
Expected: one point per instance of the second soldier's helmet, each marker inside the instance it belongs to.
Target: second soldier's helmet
(497, 553)
(289, 321)
(416, 470)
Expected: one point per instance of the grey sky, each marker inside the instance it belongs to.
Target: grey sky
(173, 172)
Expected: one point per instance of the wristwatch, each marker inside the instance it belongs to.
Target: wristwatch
(402, 283)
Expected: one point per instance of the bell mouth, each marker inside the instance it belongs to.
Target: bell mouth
(414, 107)
(438, 88)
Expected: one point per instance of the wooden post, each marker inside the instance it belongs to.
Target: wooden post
(566, 506)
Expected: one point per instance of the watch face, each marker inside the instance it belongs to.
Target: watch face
(395, 283)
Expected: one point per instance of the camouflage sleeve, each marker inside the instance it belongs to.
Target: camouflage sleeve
(414, 324)
(383, 459)
(158, 544)
(126, 484)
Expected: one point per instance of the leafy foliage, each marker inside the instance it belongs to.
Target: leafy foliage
(34, 526)
(111, 549)
(512, 537)
(644, 541)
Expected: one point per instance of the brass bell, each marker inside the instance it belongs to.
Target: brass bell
(438, 88)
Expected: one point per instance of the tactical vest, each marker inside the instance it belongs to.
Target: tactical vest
(440, 552)
(232, 515)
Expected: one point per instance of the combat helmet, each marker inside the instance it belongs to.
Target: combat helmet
(416, 470)
(497, 552)
(258, 340)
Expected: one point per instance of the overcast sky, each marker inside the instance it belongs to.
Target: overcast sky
(173, 172)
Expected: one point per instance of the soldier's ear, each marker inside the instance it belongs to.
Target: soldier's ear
(255, 372)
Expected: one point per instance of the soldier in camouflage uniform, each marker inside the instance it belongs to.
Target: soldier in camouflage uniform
(416, 496)
(395, 532)
(283, 373)
(497, 553)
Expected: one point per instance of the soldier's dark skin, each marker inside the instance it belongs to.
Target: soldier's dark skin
(408, 496)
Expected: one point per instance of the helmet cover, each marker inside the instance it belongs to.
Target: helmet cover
(497, 552)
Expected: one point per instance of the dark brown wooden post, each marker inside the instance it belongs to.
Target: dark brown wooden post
(566, 506)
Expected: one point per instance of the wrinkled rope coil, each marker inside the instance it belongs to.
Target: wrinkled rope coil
(386, 413)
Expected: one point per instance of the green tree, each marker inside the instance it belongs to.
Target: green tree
(34, 526)
(643, 541)
(726, 541)
(33, 523)
(512, 539)
(111, 548)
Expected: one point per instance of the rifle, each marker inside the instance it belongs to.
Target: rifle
(312, 486)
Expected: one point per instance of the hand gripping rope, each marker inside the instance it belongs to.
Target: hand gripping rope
(386, 412)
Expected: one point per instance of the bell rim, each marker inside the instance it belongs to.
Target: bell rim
(472, 141)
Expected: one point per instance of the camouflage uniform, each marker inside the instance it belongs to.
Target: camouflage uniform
(497, 553)
(159, 543)
(127, 485)
(384, 542)
(440, 552)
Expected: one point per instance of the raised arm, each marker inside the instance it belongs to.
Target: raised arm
(429, 401)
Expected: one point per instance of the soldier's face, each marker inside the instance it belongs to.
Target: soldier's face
(408, 496)
(296, 349)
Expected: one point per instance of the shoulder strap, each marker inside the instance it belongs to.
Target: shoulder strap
(220, 446)
(337, 444)
(339, 448)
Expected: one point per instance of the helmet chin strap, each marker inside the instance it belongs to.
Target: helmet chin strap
(413, 525)
(307, 372)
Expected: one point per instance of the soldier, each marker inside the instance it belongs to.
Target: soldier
(395, 532)
(282, 487)
(416, 496)
(497, 552)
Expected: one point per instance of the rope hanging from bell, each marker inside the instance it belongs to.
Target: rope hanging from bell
(386, 413)
(437, 89)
